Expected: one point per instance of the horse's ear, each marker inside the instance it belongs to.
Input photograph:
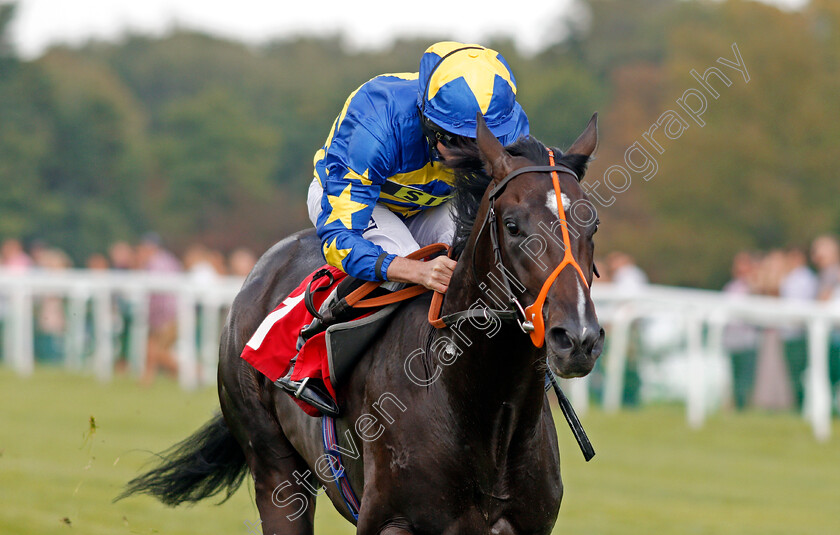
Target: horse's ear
(496, 159)
(587, 143)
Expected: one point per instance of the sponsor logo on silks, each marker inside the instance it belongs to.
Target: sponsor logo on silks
(372, 225)
(412, 195)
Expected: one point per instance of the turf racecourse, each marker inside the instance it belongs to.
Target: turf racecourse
(742, 474)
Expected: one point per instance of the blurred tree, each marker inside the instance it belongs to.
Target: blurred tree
(758, 174)
(606, 34)
(99, 163)
(204, 138)
(25, 138)
(215, 161)
(7, 12)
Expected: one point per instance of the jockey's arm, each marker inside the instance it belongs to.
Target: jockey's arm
(434, 274)
(340, 228)
(356, 161)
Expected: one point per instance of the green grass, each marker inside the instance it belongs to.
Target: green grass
(741, 474)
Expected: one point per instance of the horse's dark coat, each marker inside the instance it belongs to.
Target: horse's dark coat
(474, 450)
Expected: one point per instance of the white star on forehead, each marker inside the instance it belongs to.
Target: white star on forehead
(551, 202)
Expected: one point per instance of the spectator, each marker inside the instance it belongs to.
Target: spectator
(200, 262)
(798, 284)
(624, 272)
(37, 250)
(50, 315)
(744, 267)
(627, 276)
(13, 257)
(97, 262)
(825, 253)
(122, 256)
(741, 339)
(241, 262)
(163, 310)
(769, 273)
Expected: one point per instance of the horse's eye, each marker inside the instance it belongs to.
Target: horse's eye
(512, 228)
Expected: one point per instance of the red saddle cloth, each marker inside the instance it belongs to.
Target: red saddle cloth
(274, 344)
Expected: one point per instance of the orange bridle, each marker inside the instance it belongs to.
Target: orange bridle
(533, 313)
(530, 319)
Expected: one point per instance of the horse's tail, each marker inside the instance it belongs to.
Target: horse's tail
(206, 463)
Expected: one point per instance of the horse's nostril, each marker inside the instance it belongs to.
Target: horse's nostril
(594, 342)
(561, 338)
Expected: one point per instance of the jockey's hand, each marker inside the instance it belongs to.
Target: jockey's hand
(434, 274)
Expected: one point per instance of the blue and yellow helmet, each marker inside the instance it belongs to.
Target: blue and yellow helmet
(458, 80)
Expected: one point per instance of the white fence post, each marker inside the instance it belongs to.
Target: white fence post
(187, 361)
(21, 330)
(103, 352)
(818, 385)
(579, 394)
(696, 401)
(614, 367)
(197, 358)
(138, 335)
(76, 325)
(209, 341)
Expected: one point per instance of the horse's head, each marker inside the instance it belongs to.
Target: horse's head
(544, 230)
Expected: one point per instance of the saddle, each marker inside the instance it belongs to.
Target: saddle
(350, 318)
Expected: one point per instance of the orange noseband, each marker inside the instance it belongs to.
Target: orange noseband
(533, 313)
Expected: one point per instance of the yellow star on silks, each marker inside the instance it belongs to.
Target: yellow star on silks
(343, 207)
(480, 78)
(363, 178)
(334, 255)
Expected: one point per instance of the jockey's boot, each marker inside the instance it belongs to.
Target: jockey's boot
(311, 391)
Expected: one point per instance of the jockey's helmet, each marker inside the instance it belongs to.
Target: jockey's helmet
(459, 80)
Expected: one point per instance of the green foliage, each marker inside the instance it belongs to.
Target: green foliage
(200, 137)
(215, 159)
(26, 135)
(7, 12)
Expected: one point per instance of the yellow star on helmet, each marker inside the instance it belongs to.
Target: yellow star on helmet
(478, 68)
(343, 207)
(334, 255)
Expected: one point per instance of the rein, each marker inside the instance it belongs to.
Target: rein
(530, 319)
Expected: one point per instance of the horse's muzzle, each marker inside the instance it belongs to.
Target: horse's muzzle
(572, 350)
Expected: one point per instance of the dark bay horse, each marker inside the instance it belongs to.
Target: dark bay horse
(442, 430)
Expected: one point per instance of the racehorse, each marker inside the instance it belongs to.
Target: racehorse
(443, 430)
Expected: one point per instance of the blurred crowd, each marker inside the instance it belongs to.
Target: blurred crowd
(786, 272)
(769, 364)
(620, 270)
(148, 254)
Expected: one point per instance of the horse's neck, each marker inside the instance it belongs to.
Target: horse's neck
(495, 365)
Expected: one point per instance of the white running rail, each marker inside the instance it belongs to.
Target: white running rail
(200, 307)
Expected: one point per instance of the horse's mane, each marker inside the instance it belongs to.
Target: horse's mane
(471, 181)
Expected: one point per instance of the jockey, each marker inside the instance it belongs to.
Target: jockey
(380, 189)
